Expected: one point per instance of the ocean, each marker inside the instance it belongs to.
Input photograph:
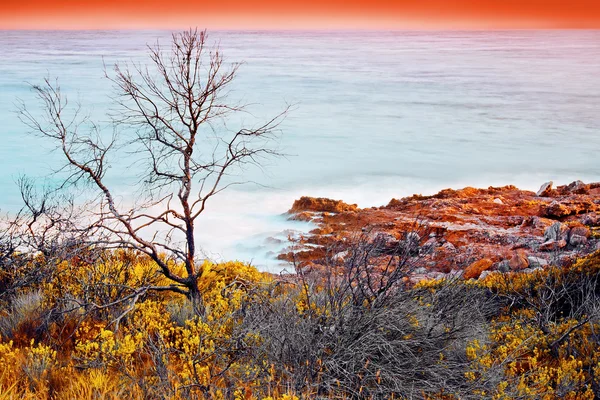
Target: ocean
(375, 115)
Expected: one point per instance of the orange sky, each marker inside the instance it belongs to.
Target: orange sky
(299, 14)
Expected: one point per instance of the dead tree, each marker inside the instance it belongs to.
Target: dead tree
(171, 115)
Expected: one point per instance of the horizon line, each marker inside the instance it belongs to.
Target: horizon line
(356, 29)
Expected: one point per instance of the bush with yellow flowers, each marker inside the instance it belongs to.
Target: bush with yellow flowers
(545, 342)
(87, 332)
(155, 345)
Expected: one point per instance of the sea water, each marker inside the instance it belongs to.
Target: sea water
(374, 115)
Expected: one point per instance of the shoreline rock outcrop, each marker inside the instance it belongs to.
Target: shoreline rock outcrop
(471, 231)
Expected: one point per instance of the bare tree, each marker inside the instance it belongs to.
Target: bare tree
(171, 116)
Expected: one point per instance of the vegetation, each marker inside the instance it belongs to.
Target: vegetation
(352, 331)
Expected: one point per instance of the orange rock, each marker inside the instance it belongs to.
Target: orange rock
(320, 204)
(518, 261)
(552, 245)
(475, 269)
(467, 224)
(557, 210)
(304, 216)
(580, 231)
(570, 206)
(545, 189)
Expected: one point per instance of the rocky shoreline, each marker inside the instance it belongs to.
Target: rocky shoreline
(468, 232)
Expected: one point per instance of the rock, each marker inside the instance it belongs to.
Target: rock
(413, 237)
(303, 216)
(580, 231)
(485, 274)
(518, 261)
(553, 245)
(503, 266)
(321, 204)
(557, 210)
(577, 240)
(571, 206)
(273, 241)
(590, 219)
(515, 220)
(432, 242)
(535, 262)
(578, 187)
(429, 245)
(449, 246)
(536, 222)
(475, 269)
(434, 275)
(468, 224)
(532, 270)
(545, 189)
(420, 271)
(456, 273)
(556, 231)
(326, 230)
(384, 239)
(578, 235)
(341, 256)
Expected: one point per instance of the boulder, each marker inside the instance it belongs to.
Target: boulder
(570, 206)
(503, 266)
(456, 273)
(429, 245)
(303, 216)
(577, 240)
(553, 245)
(449, 246)
(536, 222)
(578, 236)
(580, 231)
(545, 189)
(474, 270)
(413, 237)
(384, 239)
(556, 231)
(535, 262)
(556, 210)
(434, 275)
(420, 271)
(590, 219)
(518, 261)
(498, 201)
(317, 204)
(432, 242)
(578, 187)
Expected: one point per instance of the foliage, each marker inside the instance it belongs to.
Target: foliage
(545, 343)
(509, 336)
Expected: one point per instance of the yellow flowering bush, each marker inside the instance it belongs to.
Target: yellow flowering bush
(543, 344)
(157, 345)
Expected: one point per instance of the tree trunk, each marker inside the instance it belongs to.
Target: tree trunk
(195, 297)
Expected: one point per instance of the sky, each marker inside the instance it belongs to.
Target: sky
(300, 14)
